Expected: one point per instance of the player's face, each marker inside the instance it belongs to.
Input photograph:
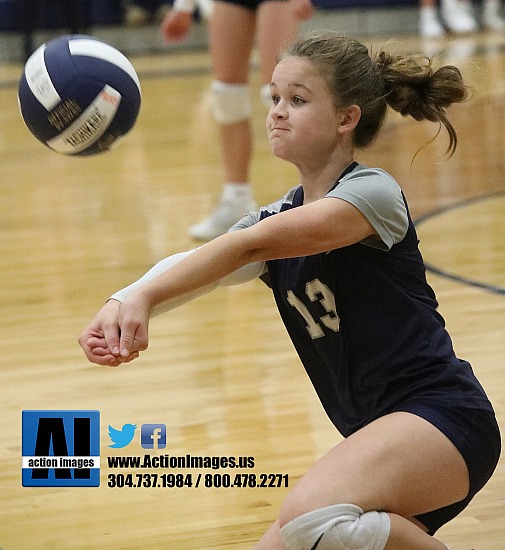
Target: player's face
(302, 121)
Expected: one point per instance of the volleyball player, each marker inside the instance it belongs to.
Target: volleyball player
(235, 25)
(340, 253)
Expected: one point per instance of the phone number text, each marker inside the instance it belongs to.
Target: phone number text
(173, 481)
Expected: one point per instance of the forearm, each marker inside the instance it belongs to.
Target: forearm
(217, 262)
(242, 275)
(158, 269)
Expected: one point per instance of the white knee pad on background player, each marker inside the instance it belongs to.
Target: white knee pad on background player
(338, 527)
(230, 102)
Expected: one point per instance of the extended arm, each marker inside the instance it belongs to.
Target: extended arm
(244, 274)
(119, 332)
(101, 338)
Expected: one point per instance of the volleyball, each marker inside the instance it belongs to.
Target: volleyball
(78, 95)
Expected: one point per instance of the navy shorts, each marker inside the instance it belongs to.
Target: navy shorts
(249, 4)
(476, 435)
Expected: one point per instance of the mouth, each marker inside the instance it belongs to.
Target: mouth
(275, 129)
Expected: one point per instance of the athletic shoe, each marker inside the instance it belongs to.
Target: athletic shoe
(458, 16)
(429, 25)
(491, 18)
(226, 214)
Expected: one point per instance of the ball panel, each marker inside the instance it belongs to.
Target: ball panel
(32, 111)
(90, 126)
(39, 81)
(101, 71)
(99, 50)
(59, 64)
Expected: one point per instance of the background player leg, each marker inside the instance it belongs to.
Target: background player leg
(232, 32)
(272, 37)
(231, 36)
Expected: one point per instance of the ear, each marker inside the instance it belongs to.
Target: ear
(349, 118)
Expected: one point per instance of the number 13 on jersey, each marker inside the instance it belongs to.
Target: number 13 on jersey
(317, 291)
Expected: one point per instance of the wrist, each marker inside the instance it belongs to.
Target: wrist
(145, 299)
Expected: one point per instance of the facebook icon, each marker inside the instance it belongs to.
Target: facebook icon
(153, 436)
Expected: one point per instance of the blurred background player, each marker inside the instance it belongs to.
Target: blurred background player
(458, 16)
(234, 27)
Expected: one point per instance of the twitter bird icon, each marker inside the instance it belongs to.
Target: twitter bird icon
(121, 438)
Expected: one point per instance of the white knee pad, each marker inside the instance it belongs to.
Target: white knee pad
(339, 527)
(230, 102)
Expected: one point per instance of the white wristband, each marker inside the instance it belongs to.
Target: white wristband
(186, 6)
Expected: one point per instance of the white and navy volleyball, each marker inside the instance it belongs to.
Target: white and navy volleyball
(78, 95)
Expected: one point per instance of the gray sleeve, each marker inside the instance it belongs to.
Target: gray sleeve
(254, 217)
(247, 221)
(247, 272)
(379, 198)
(256, 269)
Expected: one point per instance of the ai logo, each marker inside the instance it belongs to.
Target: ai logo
(61, 448)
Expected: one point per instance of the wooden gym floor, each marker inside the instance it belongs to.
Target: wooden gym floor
(220, 372)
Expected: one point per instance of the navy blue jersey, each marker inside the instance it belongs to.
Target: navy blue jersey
(363, 318)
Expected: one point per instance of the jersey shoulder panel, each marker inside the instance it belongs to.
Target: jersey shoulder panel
(377, 195)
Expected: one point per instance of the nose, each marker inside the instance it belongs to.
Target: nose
(278, 110)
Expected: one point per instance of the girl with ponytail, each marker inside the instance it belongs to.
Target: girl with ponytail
(340, 254)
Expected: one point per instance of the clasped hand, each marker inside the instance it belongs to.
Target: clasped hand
(118, 333)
